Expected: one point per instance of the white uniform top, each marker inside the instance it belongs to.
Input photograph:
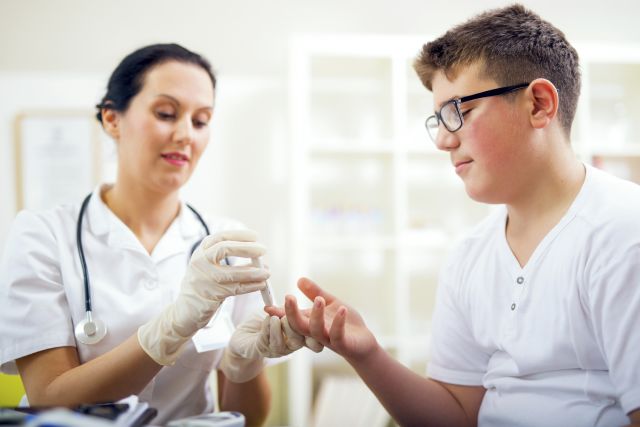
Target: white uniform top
(42, 293)
(555, 343)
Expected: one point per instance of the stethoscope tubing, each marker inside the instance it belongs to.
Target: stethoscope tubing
(91, 330)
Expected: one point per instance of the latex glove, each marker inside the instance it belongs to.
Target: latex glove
(204, 287)
(254, 340)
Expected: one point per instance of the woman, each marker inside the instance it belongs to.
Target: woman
(137, 237)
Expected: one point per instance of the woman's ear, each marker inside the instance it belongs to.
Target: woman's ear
(544, 102)
(111, 122)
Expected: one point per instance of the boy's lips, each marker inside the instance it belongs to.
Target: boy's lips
(461, 165)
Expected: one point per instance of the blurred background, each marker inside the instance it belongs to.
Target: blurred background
(317, 143)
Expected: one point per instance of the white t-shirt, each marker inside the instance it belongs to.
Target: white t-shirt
(555, 343)
(42, 293)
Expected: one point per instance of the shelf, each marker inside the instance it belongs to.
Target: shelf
(631, 149)
(432, 239)
(338, 146)
(356, 242)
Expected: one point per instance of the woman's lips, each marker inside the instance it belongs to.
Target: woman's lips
(176, 159)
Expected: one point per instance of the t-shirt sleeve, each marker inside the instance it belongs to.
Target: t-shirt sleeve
(614, 302)
(456, 358)
(34, 314)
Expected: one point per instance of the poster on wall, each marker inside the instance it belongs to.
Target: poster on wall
(57, 158)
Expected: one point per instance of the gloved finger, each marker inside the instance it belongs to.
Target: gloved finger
(232, 274)
(297, 320)
(317, 327)
(243, 288)
(227, 248)
(276, 341)
(251, 326)
(238, 235)
(293, 339)
(258, 338)
(243, 340)
(265, 327)
(313, 344)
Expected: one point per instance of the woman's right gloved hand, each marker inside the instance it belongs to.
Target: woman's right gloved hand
(205, 285)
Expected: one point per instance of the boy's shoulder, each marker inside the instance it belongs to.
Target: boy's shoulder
(611, 201)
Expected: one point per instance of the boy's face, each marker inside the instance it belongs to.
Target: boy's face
(490, 152)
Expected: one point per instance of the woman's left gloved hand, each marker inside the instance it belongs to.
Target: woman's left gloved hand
(254, 340)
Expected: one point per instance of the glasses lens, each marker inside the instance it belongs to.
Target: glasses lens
(451, 117)
(432, 127)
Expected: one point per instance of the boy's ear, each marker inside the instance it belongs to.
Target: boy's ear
(544, 102)
(111, 122)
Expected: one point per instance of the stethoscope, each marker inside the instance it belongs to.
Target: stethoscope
(92, 330)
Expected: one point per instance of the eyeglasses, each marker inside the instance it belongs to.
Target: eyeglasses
(451, 116)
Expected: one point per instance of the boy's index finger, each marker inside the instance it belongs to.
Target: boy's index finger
(312, 290)
(272, 310)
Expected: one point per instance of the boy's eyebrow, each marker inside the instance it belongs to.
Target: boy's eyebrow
(448, 100)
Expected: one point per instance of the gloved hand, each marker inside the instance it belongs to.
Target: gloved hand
(256, 339)
(204, 287)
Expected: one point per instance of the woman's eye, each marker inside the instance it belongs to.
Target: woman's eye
(163, 115)
(200, 123)
(464, 113)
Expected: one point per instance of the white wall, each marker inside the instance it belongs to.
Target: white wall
(58, 54)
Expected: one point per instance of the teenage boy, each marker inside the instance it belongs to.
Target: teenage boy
(537, 310)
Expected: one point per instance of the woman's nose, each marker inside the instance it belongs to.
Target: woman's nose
(184, 132)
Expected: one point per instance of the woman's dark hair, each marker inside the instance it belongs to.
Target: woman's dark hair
(128, 77)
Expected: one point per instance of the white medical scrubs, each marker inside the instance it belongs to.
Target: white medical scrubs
(42, 293)
(556, 342)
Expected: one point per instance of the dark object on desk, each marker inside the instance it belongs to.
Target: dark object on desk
(121, 413)
(11, 417)
(110, 411)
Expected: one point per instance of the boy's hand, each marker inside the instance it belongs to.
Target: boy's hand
(329, 321)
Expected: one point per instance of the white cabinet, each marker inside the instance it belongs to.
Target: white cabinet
(375, 207)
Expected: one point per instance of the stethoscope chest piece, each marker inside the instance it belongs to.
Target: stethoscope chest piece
(90, 330)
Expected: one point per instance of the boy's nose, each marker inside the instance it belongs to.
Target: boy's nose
(445, 140)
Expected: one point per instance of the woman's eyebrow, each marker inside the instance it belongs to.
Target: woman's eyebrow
(175, 100)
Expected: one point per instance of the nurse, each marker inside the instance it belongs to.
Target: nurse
(147, 289)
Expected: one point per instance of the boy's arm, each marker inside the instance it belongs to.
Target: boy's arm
(414, 400)
(411, 399)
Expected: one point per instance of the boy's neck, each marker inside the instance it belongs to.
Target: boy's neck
(544, 202)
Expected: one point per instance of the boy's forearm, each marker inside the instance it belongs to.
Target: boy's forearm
(411, 399)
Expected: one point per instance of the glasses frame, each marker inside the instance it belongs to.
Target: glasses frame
(458, 101)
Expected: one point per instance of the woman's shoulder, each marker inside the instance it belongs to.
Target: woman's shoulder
(52, 218)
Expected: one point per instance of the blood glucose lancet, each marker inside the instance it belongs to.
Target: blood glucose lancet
(267, 297)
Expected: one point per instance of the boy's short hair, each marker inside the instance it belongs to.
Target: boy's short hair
(512, 45)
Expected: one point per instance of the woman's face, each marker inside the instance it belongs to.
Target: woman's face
(163, 133)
